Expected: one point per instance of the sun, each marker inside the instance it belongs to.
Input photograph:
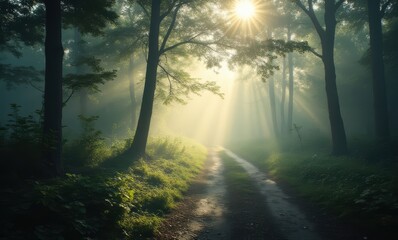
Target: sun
(244, 9)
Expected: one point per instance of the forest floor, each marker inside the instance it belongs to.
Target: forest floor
(232, 199)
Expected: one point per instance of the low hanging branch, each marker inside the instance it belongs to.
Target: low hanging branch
(91, 81)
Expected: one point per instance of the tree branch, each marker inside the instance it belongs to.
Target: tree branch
(311, 14)
(316, 53)
(168, 75)
(176, 45)
(162, 16)
(190, 41)
(144, 9)
(35, 87)
(170, 29)
(67, 99)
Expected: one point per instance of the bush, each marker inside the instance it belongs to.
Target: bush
(20, 144)
(115, 205)
(90, 149)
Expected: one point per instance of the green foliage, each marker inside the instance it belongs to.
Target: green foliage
(90, 16)
(21, 22)
(105, 204)
(262, 54)
(20, 143)
(23, 129)
(90, 149)
(236, 177)
(90, 80)
(88, 205)
(348, 186)
(166, 148)
(14, 76)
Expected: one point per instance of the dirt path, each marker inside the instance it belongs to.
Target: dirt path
(208, 212)
(203, 213)
(291, 221)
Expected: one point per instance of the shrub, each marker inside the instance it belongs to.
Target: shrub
(90, 149)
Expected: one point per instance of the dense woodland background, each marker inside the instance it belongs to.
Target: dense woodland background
(85, 84)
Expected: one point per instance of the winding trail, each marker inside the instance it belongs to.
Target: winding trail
(204, 213)
(210, 220)
(292, 222)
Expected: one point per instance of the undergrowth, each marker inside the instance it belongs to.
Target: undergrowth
(127, 204)
(356, 189)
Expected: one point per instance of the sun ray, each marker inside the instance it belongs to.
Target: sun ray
(244, 9)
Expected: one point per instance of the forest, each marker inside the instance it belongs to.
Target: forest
(199, 119)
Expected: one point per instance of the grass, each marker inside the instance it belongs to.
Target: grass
(351, 187)
(249, 216)
(105, 203)
(236, 177)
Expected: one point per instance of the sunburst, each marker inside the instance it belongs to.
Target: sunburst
(246, 17)
(245, 9)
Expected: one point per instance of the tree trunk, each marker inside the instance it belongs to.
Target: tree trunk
(283, 99)
(52, 124)
(133, 100)
(291, 88)
(339, 141)
(379, 83)
(271, 91)
(141, 135)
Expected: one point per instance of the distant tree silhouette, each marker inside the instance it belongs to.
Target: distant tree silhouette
(327, 37)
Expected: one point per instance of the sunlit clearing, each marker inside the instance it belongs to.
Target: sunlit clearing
(241, 115)
(245, 9)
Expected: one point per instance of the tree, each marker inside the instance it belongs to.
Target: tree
(52, 118)
(21, 24)
(141, 135)
(283, 97)
(327, 37)
(375, 14)
(53, 86)
(271, 91)
(125, 44)
(291, 86)
(193, 31)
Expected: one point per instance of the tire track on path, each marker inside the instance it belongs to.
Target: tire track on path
(292, 223)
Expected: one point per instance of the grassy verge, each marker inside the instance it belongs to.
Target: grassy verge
(360, 191)
(236, 178)
(249, 215)
(104, 204)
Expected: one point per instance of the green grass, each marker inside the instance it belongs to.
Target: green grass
(236, 177)
(106, 203)
(349, 187)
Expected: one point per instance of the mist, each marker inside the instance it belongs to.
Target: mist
(136, 103)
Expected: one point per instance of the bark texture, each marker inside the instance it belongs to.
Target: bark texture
(52, 124)
(339, 140)
(378, 75)
(291, 87)
(141, 135)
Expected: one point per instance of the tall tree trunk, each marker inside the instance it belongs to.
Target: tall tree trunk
(291, 87)
(133, 100)
(52, 124)
(283, 99)
(327, 35)
(339, 140)
(378, 76)
(141, 135)
(271, 91)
